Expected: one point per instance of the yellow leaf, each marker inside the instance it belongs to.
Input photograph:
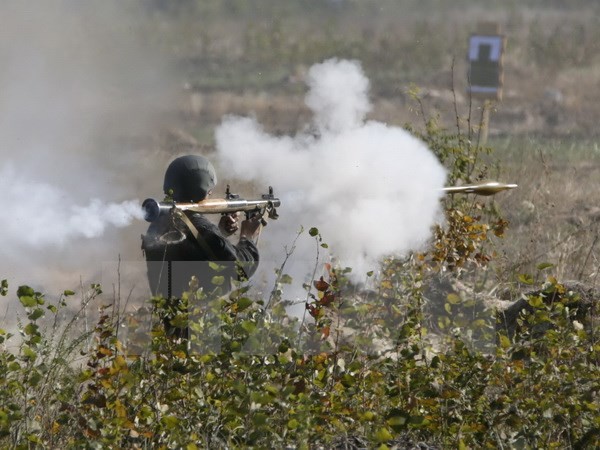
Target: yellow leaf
(383, 435)
(504, 342)
(453, 299)
(119, 362)
(105, 351)
(120, 409)
(368, 415)
(386, 284)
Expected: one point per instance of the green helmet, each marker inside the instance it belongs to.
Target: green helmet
(189, 178)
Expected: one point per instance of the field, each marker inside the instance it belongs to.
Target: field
(487, 338)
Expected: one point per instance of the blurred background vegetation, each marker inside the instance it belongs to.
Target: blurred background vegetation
(264, 47)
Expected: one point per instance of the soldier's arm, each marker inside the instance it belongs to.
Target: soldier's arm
(244, 252)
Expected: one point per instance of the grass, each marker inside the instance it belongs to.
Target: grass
(553, 213)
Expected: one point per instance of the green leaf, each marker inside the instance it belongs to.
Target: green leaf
(383, 435)
(169, 422)
(35, 314)
(543, 266)
(34, 378)
(368, 416)
(285, 279)
(25, 291)
(397, 422)
(248, 326)
(85, 375)
(31, 329)
(536, 301)
(273, 389)
(292, 424)
(206, 358)
(28, 353)
(259, 419)
(145, 412)
(504, 342)
(313, 231)
(218, 280)
(525, 278)
(33, 438)
(27, 301)
(3, 287)
(180, 321)
(418, 420)
(216, 267)
(243, 303)
(453, 299)
(68, 293)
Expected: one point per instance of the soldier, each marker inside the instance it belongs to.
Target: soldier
(177, 250)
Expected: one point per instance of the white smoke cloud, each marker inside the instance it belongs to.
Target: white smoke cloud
(337, 107)
(79, 86)
(371, 189)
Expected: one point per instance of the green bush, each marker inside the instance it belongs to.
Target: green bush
(538, 392)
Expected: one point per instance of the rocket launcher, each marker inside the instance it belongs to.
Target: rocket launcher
(266, 205)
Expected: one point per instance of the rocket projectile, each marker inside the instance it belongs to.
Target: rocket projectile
(488, 188)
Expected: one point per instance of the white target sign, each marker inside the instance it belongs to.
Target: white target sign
(485, 65)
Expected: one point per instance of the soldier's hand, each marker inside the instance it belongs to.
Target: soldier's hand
(250, 228)
(229, 223)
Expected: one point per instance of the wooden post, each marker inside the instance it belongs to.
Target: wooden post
(484, 126)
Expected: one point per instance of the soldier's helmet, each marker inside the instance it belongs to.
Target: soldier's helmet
(189, 178)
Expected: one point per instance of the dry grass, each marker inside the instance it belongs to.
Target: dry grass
(555, 213)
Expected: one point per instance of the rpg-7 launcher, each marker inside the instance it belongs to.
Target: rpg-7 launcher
(232, 203)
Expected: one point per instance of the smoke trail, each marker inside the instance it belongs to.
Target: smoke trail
(42, 215)
(371, 189)
(79, 88)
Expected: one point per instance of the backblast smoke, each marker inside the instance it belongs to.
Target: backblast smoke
(41, 215)
(78, 86)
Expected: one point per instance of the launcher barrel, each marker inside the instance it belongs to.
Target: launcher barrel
(153, 209)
